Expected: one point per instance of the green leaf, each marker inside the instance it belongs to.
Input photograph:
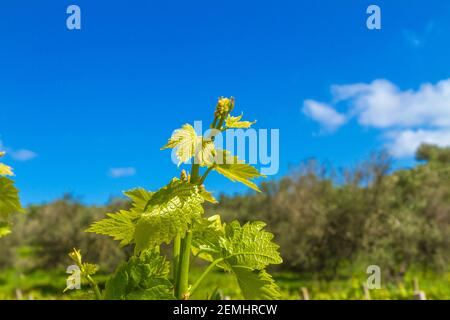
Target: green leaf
(142, 277)
(121, 226)
(169, 212)
(235, 122)
(249, 245)
(9, 198)
(256, 284)
(207, 234)
(139, 198)
(185, 141)
(243, 250)
(9, 204)
(155, 217)
(205, 155)
(116, 286)
(89, 269)
(235, 170)
(207, 196)
(188, 145)
(160, 292)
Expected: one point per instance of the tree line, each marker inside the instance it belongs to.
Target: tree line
(326, 221)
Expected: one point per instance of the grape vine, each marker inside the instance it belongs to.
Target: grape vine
(174, 215)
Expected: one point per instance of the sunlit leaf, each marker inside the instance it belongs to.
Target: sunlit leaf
(235, 170)
(235, 122)
(169, 212)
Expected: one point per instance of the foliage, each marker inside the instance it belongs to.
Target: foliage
(235, 170)
(42, 237)
(174, 215)
(140, 278)
(86, 270)
(341, 222)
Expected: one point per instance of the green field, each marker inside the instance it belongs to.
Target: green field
(49, 285)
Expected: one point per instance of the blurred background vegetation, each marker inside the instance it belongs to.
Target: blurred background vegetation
(331, 224)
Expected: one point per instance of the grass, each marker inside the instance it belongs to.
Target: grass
(42, 284)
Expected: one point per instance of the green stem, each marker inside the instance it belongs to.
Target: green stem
(176, 255)
(202, 179)
(182, 257)
(219, 125)
(213, 125)
(195, 171)
(182, 280)
(204, 274)
(183, 270)
(94, 286)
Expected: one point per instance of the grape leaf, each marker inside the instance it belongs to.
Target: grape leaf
(244, 251)
(256, 284)
(235, 170)
(249, 245)
(9, 198)
(169, 212)
(207, 233)
(121, 225)
(9, 204)
(235, 122)
(207, 196)
(205, 153)
(188, 144)
(159, 292)
(155, 217)
(185, 141)
(141, 277)
(139, 198)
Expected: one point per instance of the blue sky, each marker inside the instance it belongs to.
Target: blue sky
(76, 104)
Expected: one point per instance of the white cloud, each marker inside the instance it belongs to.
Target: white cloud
(407, 118)
(381, 104)
(122, 172)
(323, 113)
(405, 143)
(19, 155)
(23, 155)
